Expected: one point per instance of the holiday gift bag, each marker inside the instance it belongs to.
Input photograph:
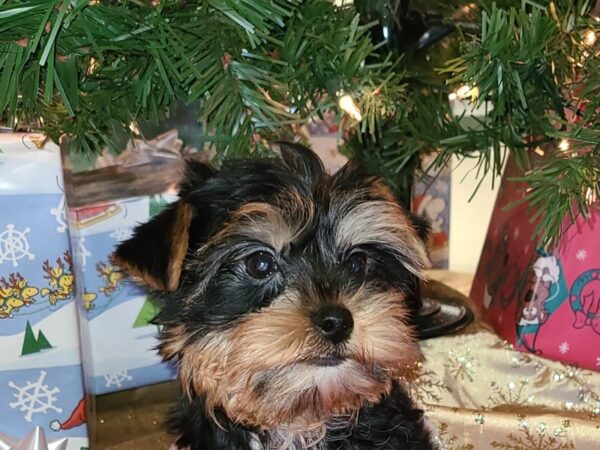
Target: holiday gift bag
(105, 205)
(41, 379)
(545, 302)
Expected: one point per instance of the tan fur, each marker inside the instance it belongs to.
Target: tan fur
(179, 234)
(227, 367)
(173, 341)
(276, 225)
(380, 222)
(134, 272)
(179, 244)
(256, 370)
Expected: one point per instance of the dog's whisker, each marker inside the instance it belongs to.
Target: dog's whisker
(285, 292)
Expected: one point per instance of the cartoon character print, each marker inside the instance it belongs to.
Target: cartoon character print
(61, 279)
(112, 277)
(15, 293)
(433, 208)
(584, 298)
(544, 293)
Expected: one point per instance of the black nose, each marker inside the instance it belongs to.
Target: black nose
(334, 322)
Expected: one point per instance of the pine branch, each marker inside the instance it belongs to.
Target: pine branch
(533, 65)
(255, 67)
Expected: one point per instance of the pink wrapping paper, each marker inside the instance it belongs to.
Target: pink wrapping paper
(545, 302)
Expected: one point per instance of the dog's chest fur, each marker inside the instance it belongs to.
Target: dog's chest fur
(392, 424)
(284, 440)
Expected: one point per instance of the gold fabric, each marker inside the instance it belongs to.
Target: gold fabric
(477, 392)
(480, 393)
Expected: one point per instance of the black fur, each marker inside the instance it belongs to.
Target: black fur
(312, 262)
(392, 424)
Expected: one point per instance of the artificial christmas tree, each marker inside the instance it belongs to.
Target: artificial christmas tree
(256, 72)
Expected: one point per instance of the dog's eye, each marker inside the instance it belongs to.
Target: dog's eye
(356, 263)
(260, 265)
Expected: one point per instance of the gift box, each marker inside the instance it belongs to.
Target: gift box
(104, 206)
(41, 377)
(120, 338)
(431, 199)
(544, 301)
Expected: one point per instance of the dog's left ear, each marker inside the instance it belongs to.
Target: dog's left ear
(156, 252)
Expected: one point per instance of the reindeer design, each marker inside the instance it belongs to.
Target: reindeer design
(14, 294)
(61, 279)
(112, 277)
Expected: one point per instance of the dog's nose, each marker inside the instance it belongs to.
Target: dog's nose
(334, 322)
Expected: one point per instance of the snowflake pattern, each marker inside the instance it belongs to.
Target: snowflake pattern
(597, 361)
(444, 439)
(528, 439)
(581, 254)
(35, 397)
(82, 252)
(121, 234)
(510, 394)
(426, 387)
(117, 378)
(461, 365)
(564, 348)
(14, 245)
(60, 214)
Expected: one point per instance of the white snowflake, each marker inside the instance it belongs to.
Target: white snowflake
(82, 252)
(14, 245)
(598, 361)
(564, 348)
(581, 254)
(117, 378)
(516, 233)
(121, 234)
(60, 214)
(35, 397)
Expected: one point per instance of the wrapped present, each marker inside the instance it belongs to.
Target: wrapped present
(431, 199)
(41, 378)
(104, 207)
(120, 338)
(544, 301)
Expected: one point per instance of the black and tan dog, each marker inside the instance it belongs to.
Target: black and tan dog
(289, 301)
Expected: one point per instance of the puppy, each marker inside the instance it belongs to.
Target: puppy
(289, 302)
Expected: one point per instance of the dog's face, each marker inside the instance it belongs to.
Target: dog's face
(288, 292)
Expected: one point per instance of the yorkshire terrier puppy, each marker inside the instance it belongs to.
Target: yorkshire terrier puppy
(289, 302)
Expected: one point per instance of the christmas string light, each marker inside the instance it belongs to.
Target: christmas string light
(591, 197)
(463, 92)
(564, 145)
(590, 38)
(134, 128)
(347, 104)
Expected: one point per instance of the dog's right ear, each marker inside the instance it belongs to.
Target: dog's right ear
(156, 251)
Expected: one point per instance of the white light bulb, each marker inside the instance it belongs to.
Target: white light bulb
(590, 38)
(465, 91)
(347, 105)
(564, 145)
